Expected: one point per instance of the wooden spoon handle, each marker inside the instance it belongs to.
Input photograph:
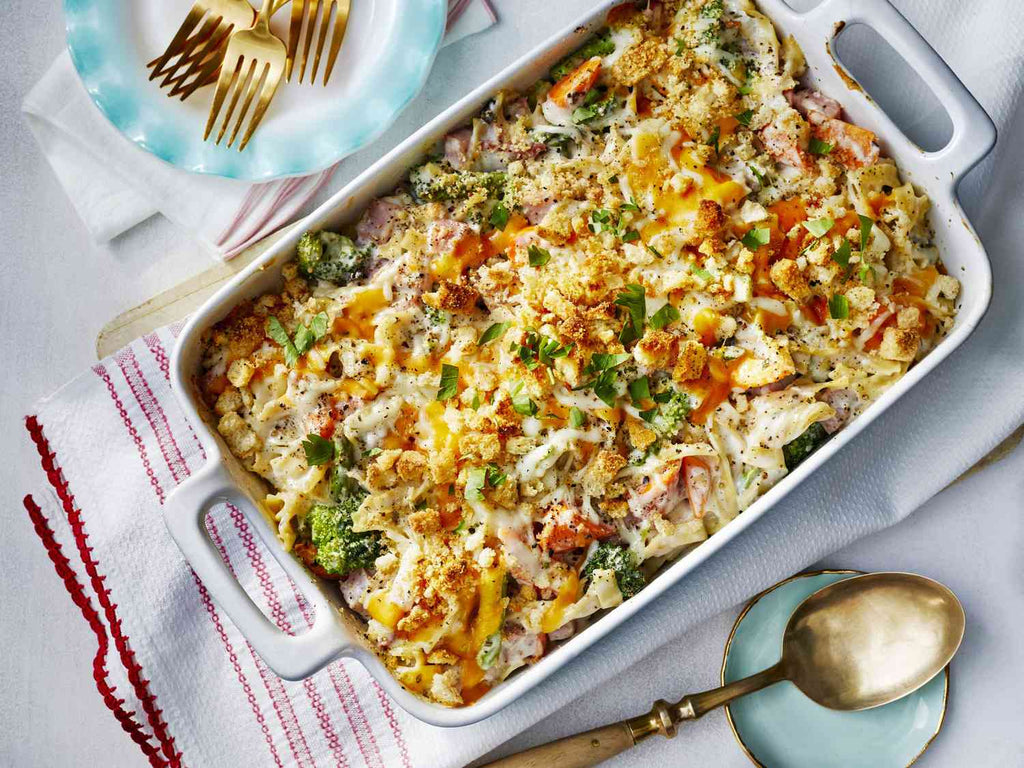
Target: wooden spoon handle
(580, 751)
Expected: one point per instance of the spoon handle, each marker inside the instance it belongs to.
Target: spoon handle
(592, 747)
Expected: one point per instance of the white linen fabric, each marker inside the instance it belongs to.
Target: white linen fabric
(114, 185)
(114, 443)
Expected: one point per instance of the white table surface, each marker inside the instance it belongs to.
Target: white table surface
(59, 290)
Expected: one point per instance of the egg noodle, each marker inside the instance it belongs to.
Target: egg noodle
(588, 331)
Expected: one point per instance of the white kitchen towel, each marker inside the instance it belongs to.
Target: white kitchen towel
(114, 185)
(181, 679)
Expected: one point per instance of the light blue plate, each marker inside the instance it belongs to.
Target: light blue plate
(780, 727)
(387, 54)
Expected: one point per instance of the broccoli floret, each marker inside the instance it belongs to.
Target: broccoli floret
(622, 561)
(713, 9)
(671, 414)
(799, 449)
(331, 257)
(599, 45)
(431, 182)
(339, 549)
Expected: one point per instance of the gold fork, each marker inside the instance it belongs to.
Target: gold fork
(197, 48)
(254, 57)
(222, 17)
(300, 16)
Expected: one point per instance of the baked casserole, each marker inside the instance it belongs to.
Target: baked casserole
(586, 332)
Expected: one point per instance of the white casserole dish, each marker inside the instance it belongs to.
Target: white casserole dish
(336, 631)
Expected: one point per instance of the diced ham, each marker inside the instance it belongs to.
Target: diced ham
(567, 528)
(497, 150)
(808, 100)
(444, 235)
(518, 647)
(378, 221)
(774, 386)
(843, 401)
(534, 213)
(457, 149)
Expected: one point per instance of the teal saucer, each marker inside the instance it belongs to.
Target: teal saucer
(779, 727)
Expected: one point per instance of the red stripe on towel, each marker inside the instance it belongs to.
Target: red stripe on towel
(78, 596)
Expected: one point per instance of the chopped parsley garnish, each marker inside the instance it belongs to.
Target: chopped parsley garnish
(634, 301)
(713, 139)
(604, 387)
(841, 255)
(449, 382)
(865, 230)
(680, 47)
(604, 383)
(318, 450)
(819, 227)
(630, 206)
(640, 390)
(819, 147)
(475, 479)
(655, 252)
(541, 349)
(745, 116)
(499, 216)
(521, 402)
(866, 271)
(475, 404)
(305, 337)
(601, 361)
(576, 418)
(496, 331)
(839, 306)
(630, 235)
(495, 475)
(664, 316)
(756, 237)
(538, 256)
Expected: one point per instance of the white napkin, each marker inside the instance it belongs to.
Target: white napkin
(114, 185)
(117, 444)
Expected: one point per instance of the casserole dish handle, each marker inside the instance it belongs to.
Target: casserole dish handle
(974, 133)
(292, 657)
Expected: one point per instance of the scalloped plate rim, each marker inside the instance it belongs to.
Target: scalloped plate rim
(241, 170)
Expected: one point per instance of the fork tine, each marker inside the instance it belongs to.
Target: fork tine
(314, 7)
(191, 21)
(340, 27)
(294, 33)
(258, 75)
(207, 75)
(273, 80)
(214, 47)
(243, 78)
(224, 84)
(324, 27)
(205, 33)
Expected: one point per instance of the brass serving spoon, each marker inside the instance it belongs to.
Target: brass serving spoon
(855, 644)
